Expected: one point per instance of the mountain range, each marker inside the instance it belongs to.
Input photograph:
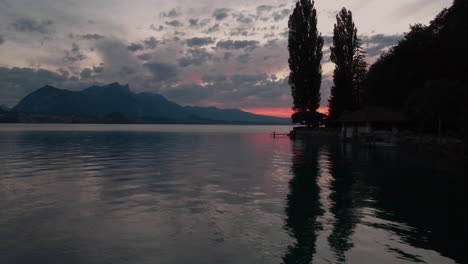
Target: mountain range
(4, 108)
(118, 100)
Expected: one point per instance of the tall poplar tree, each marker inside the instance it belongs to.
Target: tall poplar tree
(305, 54)
(350, 67)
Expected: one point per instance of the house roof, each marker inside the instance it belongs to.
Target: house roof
(373, 114)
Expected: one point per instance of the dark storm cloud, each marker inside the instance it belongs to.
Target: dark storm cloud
(204, 22)
(91, 37)
(261, 89)
(243, 58)
(247, 90)
(274, 44)
(174, 23)
(214, 78)
(212, 29)
(198, 23)
(264, 8)
(374, 45)
(263, 12)
(237, 44)
(98, 69)
(195, 56)
(135, 47)
(282, 14)
(15, 83)
(188, 93)
(145, 56)
(126, 70)
(114, 56)
(244, 19)
(242, 31)
(250, 91)
(17, 75)
(221, 13)
(74, 54)
(86, 73)
(161, 71)
(172, 13)
(193, 22)
(199, 41)
(32, 25)
(149, 43)
(227, 56)
(2, 40)
(381, 38)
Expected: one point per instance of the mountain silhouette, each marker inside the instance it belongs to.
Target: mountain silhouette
(4, 108)
(101, 101)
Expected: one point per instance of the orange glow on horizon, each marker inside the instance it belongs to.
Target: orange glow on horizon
(323, 110)
(278, 111)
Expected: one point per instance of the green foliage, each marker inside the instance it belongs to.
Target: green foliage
(305, 54)
(350, 66)
(309, 118)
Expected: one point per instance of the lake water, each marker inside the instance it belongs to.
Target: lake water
(220, 194)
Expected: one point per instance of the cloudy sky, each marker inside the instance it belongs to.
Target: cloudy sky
(228, 54)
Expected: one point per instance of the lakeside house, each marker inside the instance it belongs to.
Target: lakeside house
(370, 120)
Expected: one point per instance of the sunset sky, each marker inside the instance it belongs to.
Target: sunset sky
(228, 54)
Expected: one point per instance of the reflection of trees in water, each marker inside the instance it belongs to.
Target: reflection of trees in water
(420, 204)
(303, 204)
(410, 190)
(343, 206)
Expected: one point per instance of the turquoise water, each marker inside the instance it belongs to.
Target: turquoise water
(220, 194)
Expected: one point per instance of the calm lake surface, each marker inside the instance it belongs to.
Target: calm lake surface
(220, 194)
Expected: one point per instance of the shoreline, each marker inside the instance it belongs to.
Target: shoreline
(444, 146)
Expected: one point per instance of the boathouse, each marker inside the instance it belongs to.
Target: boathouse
(369, 120)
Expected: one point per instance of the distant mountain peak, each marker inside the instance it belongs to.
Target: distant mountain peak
(116, 85)
(47, 87)
(101, 101)
(112, 87)
(4, 108)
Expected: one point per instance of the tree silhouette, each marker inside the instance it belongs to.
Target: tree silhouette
(350, 67)
(305, 54)
(427, 53)
(303, 205)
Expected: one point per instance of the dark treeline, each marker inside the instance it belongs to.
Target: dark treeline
(425, 74)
